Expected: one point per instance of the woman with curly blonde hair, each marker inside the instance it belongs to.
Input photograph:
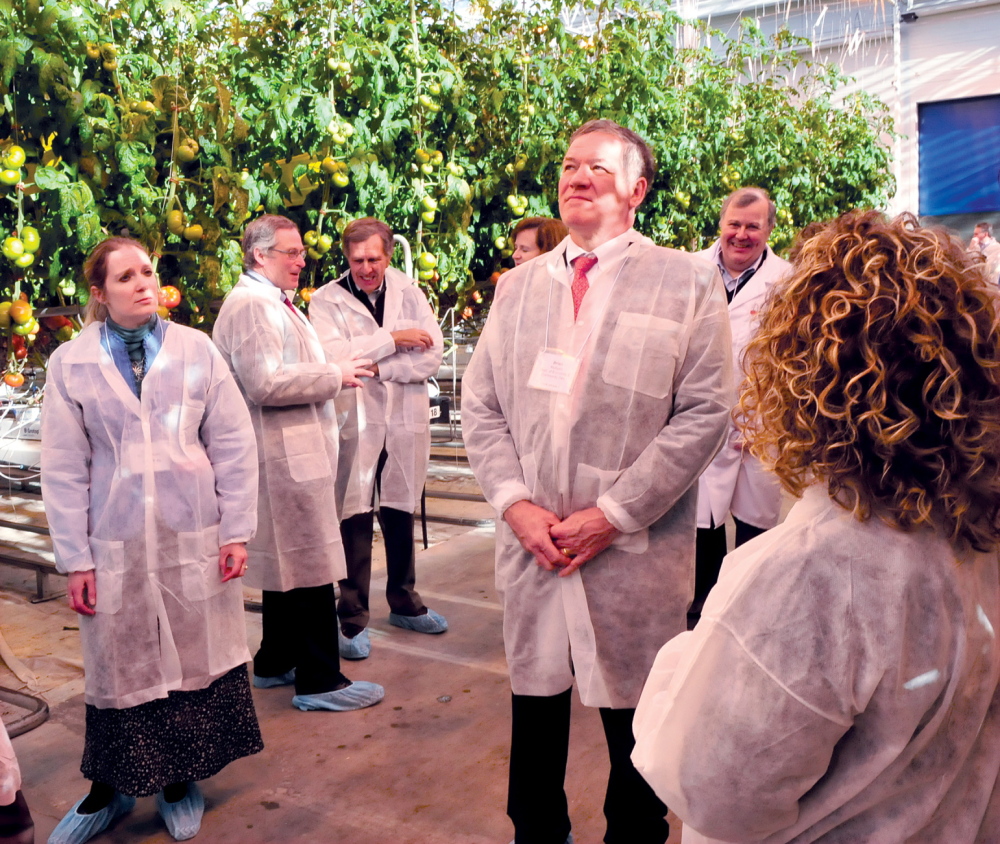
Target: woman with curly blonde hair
(842, 684)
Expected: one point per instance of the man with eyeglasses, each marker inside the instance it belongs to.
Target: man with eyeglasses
(289, 386)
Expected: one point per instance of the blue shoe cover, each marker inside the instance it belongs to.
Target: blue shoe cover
(432, 622)
(358, 695)
(183, 818)
(285, 679)
(75, 828)
(357, 648)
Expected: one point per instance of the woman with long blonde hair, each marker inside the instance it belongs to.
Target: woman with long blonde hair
(842, 683)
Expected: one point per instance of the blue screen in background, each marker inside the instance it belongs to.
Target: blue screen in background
(959, 156)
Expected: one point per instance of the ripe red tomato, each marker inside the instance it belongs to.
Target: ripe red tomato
(54, 323)
(170, 296)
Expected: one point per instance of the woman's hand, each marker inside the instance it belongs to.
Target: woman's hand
(82, 592)
(233, 560)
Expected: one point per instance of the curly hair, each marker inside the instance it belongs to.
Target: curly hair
(876, 370)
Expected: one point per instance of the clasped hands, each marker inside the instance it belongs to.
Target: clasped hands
(563, 544)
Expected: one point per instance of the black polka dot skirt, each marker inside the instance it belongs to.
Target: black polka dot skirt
(183, 737)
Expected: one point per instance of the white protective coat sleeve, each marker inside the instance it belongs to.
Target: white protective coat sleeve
(411, 366)
(651, 486)
(227, 433)
(338, 346)
(708, 742)
(10, 773)
(503, 485)
(66, 456)
(255, 345)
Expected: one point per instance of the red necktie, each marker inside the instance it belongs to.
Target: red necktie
(288, 301)
(582, 264)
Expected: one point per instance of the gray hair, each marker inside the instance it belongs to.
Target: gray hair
(637, 155)
(262, 234)
(748, 196)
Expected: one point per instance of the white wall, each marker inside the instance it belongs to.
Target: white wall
(951, 51)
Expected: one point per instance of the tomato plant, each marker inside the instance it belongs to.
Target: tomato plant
(179, 122)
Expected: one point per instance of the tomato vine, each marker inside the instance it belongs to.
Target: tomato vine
(132, 112)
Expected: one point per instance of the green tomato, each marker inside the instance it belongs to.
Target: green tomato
(324, 244)
(425, 275)
(13, 248)
(341, 180)
(427, 261)
(500, 242)
(428, 203)
(14, 157)
(310, 238)
(23, 329)
(437, 158)
(30, 238)
(10, 177)
(24, 261)
(434, 89)
(427, 169)
(427, 216)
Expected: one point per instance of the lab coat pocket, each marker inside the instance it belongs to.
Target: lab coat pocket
(305, 452)
(109, 563)
(416, 408)
(198, 555)
(643, 354)
(590, 484)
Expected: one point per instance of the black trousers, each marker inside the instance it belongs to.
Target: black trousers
(357, 533)
(300, 632)
(536, 797)
(710, 549)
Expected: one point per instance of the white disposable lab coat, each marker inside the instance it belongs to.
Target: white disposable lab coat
(735, 481)
(841, 686)
(646, 414)
(10, 773)
(144, 494)
(289, 387)
(393, 410)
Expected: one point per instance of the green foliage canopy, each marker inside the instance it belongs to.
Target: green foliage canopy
(448, 129)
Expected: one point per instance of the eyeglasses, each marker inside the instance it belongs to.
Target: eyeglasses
(291, 253)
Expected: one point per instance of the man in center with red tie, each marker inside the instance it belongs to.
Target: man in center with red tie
(599, 391)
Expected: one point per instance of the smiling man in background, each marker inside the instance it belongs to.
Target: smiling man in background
(736, 483)
(597, 394)
(378, 313)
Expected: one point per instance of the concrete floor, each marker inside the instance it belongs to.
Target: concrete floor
(426, 766)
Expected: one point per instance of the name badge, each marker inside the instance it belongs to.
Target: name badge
(554, 371)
